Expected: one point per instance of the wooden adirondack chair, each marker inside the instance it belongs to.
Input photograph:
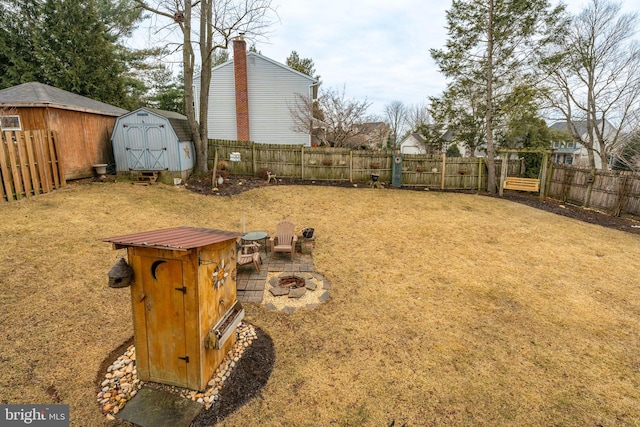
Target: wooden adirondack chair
(248, 254)
(284, 240)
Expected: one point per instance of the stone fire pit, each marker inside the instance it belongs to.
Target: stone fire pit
(287, 291)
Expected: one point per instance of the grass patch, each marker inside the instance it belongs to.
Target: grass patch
(445, 309)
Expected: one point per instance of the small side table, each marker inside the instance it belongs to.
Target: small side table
(255, 236)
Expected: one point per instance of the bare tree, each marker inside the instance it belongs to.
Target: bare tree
(206, 26)
(418, 117)
(336, 120)
(395, 116)
(598, 81)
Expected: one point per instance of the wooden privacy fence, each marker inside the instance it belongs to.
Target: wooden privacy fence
(29, 164)
(343, 164)
(613, 192)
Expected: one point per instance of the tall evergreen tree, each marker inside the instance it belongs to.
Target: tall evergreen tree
(69, 44)
(492, 45)
(78, 55)
(303, 65)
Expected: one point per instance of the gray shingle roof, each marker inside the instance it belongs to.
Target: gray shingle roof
(178, 122)
(36, 94)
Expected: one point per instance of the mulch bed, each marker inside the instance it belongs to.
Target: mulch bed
(245, 383)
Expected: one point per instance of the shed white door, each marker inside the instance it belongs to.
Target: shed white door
(146, 147)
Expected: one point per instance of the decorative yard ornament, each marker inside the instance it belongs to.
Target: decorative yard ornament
(219, 276)
(120, 274)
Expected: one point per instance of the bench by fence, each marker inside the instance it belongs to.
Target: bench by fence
(521, 184)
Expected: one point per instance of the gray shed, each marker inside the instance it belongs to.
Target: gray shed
(153, 140)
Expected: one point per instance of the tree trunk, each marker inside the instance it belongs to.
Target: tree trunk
(206, 50)
(188, 62)
(491, 163)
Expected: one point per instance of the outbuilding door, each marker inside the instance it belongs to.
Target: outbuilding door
(165, 320)
(146, 146)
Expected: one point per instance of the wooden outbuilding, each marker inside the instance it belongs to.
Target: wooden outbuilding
(148, 139)
(83, 125)
(183, 297)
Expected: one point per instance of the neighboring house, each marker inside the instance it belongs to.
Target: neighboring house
(572, 152)
(251, 97)
(147, 139)
(413, 143)
(83, 125)
(373, 135)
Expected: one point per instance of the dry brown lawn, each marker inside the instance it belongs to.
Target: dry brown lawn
(446, 309)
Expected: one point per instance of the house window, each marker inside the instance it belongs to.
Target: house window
(571, 145)
(10, 123)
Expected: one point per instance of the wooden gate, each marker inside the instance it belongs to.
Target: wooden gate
(29, 164)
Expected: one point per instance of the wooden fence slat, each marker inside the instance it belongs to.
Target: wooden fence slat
(24, 171)
(4, 167)
(32, 164)
(29, 164)
(17, 183)
(42, 163)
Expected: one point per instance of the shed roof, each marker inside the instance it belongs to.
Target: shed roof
(178, 122)
(178, 238)
(36, 94)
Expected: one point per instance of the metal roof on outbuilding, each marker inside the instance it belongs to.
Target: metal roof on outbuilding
(178, 238)
(36, 94)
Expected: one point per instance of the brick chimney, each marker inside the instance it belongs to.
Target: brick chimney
(242, 92)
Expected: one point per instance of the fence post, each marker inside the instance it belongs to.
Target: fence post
(543, 175)
(302, 162)
(350, 165)
(254, 165)
(442, 175)
(549, 179)
(480, 173)
(503, 172)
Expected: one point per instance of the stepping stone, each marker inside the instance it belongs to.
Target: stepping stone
(317, 276)
(312, 306)
(274, 281)
(305, 276)
(297, 293)
(277, 291)
(324, 297)
(326, 284)
(310, 285)
(159, 408)
(270, 306)
(289, 310)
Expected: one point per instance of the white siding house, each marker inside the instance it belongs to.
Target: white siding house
(272, 90)
(574, 153)
(413, 143)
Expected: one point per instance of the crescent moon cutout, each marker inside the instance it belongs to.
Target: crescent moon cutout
(154, 267)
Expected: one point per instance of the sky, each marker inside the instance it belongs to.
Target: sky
(376, 50)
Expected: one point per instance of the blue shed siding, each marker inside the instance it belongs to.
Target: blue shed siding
(144, 140)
